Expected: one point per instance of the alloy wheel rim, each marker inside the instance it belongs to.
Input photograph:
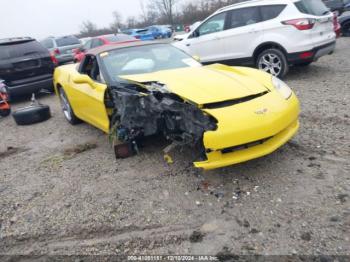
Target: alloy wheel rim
(65, 106)
(271, 63)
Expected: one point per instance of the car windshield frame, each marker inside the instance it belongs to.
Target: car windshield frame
(125, 67)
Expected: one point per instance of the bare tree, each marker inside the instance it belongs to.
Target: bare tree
(88, 28)
(117, 23)
(166, 8)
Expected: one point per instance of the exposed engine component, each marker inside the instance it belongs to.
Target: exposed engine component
(149, 108)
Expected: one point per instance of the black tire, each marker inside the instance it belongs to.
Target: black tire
(67, 108)
(345, 28)
(5, 112)
(32, 115)
(278, 57)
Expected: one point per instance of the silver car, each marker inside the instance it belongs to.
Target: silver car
(62, 47)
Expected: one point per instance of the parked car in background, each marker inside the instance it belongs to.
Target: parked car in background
(345, 24)
(25, 65)
(336, 24)
(5, 108)
(84, 40)
(62, 47)
(159, 32)
(270, 34)
(142, 34)
(94, 42)
(338, 6)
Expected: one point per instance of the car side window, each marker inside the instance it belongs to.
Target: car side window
(87, 45)
(96, 43)
(213, 25)
(269, 12)
(244, 16)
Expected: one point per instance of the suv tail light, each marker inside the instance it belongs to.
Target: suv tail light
(54, 59)
(56, 51)
(301, 24)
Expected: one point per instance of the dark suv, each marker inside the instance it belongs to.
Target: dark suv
(25, 65)
(337, 5)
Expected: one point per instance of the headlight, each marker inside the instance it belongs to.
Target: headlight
(282, 87)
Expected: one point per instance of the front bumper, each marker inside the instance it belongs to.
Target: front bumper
(311, 55)
(218, 159)
(250, 130)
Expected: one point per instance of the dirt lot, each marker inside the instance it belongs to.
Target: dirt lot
(63, 192)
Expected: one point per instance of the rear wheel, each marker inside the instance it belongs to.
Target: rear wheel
(345, 28)
(67, 108)
(273, 61)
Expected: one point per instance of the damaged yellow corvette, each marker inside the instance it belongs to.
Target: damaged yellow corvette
(226, 114)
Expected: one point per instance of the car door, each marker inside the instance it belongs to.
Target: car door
(244, 33)
(206, 41)
(90, 96)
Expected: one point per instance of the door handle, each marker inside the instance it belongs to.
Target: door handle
(188, 44)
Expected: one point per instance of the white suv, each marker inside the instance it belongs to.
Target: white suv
(270, 34)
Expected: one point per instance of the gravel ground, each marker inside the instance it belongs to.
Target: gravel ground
(63, 192)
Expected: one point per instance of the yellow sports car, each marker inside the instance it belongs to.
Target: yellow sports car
(227, 114)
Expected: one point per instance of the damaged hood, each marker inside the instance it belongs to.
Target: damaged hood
(203, 85)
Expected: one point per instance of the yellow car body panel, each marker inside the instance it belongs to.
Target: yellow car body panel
(87, 100)
(244, 131)
(203, 85)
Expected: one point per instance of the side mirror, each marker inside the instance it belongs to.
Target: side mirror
(82, 79)
(195, 34)
(197, 58)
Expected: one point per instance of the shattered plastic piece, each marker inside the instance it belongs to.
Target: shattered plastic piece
(198, 203)
(124, 150)
(256, 188)
(248, 193)
(168, 159)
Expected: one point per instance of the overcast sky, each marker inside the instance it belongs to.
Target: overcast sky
(42, 18)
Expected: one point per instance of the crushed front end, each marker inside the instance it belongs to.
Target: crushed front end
(147, 109)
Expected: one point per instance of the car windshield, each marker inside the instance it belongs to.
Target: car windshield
(67, 40)
(145, 59)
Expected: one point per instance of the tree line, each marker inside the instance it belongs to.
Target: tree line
(158, 12)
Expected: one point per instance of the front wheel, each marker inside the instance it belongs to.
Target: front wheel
(273, 61)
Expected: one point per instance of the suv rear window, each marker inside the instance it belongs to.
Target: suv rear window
(15, 50)
(312, 7)
(67, 40)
